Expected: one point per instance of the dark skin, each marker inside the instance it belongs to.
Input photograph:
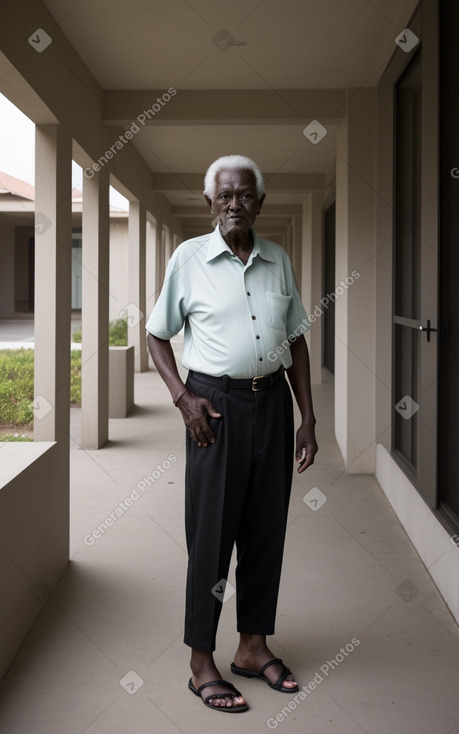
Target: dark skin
(236, 204)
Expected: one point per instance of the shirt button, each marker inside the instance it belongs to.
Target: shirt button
(260, 359)
(254, 317)
(258, 336)
(248, 293)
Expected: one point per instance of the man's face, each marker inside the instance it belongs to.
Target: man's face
(235, 201)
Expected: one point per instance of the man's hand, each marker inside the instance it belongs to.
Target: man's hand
(306, 446)
(194, 412)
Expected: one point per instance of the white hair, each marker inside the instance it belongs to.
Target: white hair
(233, 163)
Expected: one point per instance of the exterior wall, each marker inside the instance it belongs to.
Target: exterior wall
(119, 270)
(150, 268)
(14, 274)
(437, 549)
(33, 538)
(311, 277)
(355, 304)
(431, 540)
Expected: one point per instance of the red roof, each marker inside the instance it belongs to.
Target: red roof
(11, 185)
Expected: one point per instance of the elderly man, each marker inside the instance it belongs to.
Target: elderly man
(236, 296)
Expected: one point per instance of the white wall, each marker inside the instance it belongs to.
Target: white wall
(355, 332)
(438, 550)
(150, 269)
(33, 538)
(311, 276)
(119, 271)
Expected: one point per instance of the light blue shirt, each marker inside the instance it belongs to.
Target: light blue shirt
(238, 318)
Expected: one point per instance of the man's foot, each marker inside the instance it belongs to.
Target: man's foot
(253, 653)
(210, 700)
(205, 671)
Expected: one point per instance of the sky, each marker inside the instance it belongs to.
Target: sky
(17, 151)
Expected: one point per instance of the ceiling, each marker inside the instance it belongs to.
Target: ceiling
(243, 45)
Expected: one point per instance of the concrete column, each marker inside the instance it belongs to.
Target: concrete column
(296, 248)
(164, 251)
(160, 258)
(355, 302)
(95, 309)
(53, 288)
(290, 235)
(312, 276)
(150, 267)
(137, 305)
(168, 245)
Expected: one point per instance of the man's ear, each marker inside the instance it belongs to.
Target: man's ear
(208, 201)
(260, 203)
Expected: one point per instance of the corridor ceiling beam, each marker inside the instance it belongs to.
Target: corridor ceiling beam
(273, 210)
(274, 181)
(224, 107)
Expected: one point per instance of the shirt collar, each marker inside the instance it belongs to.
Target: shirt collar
(217, 245)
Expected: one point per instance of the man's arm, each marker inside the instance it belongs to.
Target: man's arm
(194, 410)
(300, 380)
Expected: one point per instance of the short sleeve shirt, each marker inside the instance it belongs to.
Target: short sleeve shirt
(238, 319)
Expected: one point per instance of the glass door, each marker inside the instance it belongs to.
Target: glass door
(414, 441)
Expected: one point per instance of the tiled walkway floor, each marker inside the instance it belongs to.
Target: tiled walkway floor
(351, 581)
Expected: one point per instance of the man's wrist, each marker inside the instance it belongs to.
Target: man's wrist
(308, 420)
(180, 393)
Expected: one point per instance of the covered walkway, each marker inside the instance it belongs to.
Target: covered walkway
(106, 655)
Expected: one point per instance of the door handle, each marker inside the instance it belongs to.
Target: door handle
(428, 329)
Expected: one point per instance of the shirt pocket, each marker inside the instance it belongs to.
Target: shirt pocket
(277, 310)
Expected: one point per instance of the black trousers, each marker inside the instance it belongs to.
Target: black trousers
(237, 490)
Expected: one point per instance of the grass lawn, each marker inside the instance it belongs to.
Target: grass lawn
(16, 392)
(16, 384)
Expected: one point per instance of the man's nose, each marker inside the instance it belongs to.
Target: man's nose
(235, 203)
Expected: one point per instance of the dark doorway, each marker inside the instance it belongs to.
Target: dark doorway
(31, 273)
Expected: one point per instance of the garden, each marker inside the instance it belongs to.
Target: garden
(16, 384)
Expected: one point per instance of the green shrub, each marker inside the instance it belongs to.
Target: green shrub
(14, 437)
(117, 333)
(17, 388)
(75, 377)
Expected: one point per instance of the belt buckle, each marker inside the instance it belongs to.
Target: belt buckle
(255, 388)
